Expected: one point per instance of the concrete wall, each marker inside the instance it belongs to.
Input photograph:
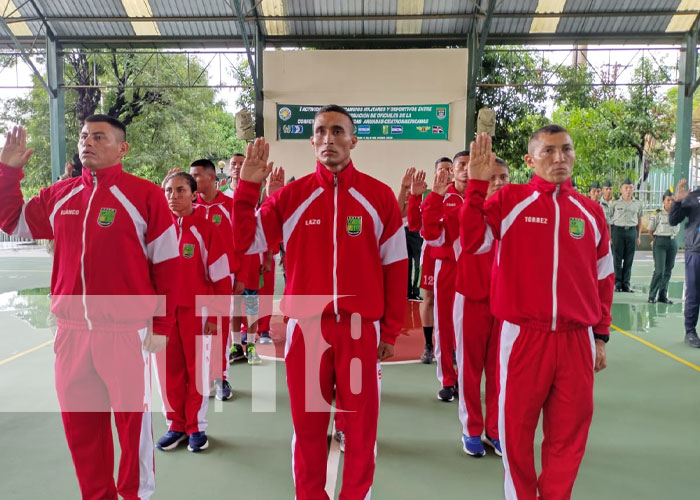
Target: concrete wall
(364, 77)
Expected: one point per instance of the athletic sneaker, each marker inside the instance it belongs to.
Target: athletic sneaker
(198, 442)
(340, 437)
(691, 338)
(493, 443)
(223, 390)
(473, 446)
(446, 394)
(236, 353)
(428, 356)
(253, 358)
(170, 440)
(265, 338)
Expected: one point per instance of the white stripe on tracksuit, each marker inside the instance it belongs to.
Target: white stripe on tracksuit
(509, 334)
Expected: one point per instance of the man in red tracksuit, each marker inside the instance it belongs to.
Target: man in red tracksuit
(441, 231)
(116, 250)
(427, 260)
(346, 264)
(184, 365)
(552, 287)
(476, 340)
(216, 207)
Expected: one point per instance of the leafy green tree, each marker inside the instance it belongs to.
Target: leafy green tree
(166, 126)
(513, 86)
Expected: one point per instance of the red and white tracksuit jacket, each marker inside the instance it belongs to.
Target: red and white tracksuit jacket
(476, 344)
(116, 249)
(427, 260)
(220, 213)
(183, 367)
(441, 231)
(344, 242)
(552, 287)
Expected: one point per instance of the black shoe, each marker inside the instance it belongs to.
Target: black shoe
(665, 300)
(691, 338)
(618, 289)
(652, 300)
(627, 289)
(427, 357)
(447, 394)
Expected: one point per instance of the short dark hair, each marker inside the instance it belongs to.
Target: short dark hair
(334, 108)
(107, 119)
(187, 177)
(460, 154)
(237, 154)
(204, 163)
(503, 163)
(550, 129)
(443, 159)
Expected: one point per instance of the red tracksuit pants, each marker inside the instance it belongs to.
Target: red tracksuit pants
(183, 373)
(552, 373)
(476, 339)
(329, 354)
(267, 293)
(98, 372)
(445, 277)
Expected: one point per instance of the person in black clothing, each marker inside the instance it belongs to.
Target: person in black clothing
(414, 242)
(687, 205)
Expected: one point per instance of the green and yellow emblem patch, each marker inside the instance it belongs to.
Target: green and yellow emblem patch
(106, 217)
(576, 227)
(354, 225)
(188, 250)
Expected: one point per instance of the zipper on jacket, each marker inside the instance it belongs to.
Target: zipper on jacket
(179, 233)
(82, 257)
(335, 248)
(556, 258)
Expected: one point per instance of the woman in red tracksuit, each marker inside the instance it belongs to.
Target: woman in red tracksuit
(185, 363)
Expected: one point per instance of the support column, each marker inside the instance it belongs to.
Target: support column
(57, 107)
(259, 97)
(472, 68)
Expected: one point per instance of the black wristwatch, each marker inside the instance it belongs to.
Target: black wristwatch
(604, 338)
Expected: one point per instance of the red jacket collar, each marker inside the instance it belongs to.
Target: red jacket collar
(217, 198)
(548, 187)
(346, 177)
(106, 176)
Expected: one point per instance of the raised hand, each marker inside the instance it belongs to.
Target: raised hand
(681, 190)
(418, 184)
(15, 153)
(408, 178)
(276, 181)
(255, 166)
(170, 172)
(442, 180)
(481, 158)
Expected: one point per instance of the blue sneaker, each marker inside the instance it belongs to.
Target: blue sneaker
(493, 443)
(473, 446)
(198, 442)
(170, 440)
(223, 390)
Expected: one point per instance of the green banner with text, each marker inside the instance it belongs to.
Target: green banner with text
(372, 123)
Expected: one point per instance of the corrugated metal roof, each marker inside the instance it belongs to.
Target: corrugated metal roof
(362, 23)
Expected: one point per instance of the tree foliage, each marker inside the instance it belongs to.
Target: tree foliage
(168, 124)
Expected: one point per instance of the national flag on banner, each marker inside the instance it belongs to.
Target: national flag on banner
(437, 129)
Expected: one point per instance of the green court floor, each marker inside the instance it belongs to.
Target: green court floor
(644, 443)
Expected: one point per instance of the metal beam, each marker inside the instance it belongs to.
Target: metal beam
(688, 80)
(370, 18)
(244, 37)
(19, 46)
(259, 96)
(57, 108)
(476, 55)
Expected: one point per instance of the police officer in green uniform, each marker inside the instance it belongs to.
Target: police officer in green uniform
(607, 200)
(665, 248)
(594, 191)
(626, 223)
